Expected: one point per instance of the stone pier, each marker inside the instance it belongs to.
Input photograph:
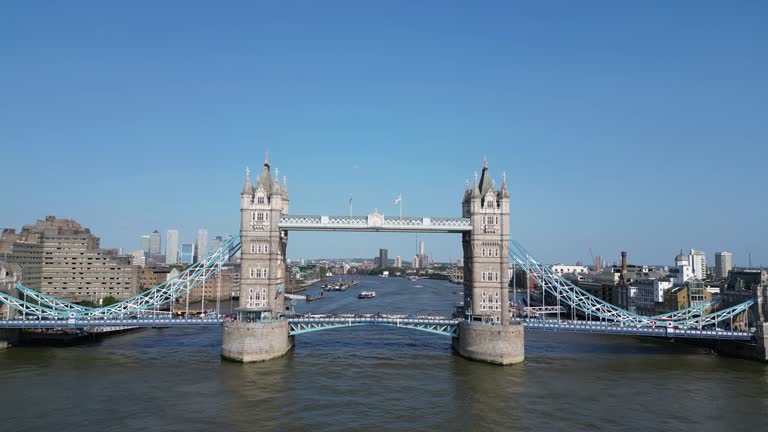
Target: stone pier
(255, 341)
(495, 344)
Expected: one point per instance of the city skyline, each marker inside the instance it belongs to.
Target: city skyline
(625, 125)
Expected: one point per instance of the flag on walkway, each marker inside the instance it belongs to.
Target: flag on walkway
(350, 200)
(398, 199)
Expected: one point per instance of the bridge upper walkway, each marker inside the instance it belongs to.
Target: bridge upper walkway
(374, 222)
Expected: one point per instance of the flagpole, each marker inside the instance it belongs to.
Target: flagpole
(401, 206)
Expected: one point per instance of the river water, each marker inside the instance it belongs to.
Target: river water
(378, 379)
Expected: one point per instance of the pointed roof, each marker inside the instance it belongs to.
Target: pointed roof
(475, 190)
(247, 188)
(485, 180)
(504, 192)
(265, 179)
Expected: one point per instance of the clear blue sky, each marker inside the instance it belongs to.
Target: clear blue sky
(637, 126)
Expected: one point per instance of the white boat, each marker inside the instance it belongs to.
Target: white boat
(366, 294)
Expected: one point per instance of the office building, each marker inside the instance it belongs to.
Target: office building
(145, 240)
(216, 242)
(398, 261)
(723, 264)
(383, 260)
(154, 244)
(187, 253)
(698, 264)
(138, 258)
(201, 245)
(172, 247)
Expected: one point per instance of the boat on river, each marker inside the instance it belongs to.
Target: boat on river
(366, 294)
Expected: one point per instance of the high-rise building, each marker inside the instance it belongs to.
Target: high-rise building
(62, 259)
(139, 258)
(216, 242)
(383, 259)
(172, 247)
(398, 261)
(723, 264)
(415, 262)
(698, 264)
(423, 258)
(187, 253)
(144, 244)
(201, 246)
(154, 243)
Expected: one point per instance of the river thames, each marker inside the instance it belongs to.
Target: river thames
(379, 379)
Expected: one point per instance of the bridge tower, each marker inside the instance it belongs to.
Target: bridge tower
(260, 331)
(486, 333)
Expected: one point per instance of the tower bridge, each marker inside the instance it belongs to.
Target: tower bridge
(264, 328)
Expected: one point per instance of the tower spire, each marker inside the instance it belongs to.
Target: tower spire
(266, 159)
(475, 190)
(504, 192)
(247, 184)
(485, 179)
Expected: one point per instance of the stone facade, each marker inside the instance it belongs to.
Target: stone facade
(487, 335)
(255, 341)
(260, 332)
(262, 254)
(502, 345)
(486, 263)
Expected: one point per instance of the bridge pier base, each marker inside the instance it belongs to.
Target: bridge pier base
(761, 335)
(9, 337)
(501, 345)
(247, 342)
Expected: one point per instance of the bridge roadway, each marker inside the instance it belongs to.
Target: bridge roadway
(440, 325)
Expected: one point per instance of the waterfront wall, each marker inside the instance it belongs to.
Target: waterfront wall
(756, 350)
(496, 344)
(255, 341)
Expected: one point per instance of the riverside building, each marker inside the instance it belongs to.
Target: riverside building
(60, 258)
